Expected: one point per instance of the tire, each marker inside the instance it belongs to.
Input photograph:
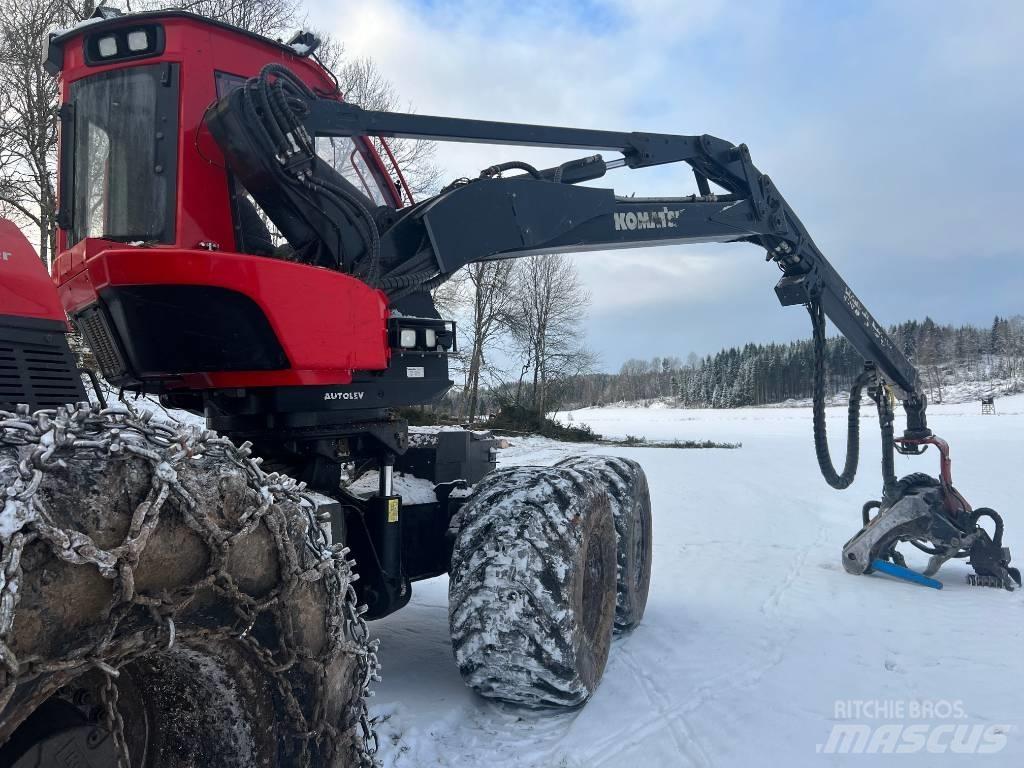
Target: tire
(532, 590)
(626, 485)
(255, 660)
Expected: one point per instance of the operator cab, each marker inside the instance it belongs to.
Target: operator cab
(133, 134)
(157, 238)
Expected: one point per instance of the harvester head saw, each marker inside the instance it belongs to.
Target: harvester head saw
(931, 515)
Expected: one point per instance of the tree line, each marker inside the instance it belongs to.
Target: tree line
(522, 353)
(761, 374)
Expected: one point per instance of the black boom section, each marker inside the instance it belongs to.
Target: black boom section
(509, 218)
(543, 211)
(536, 211)
(36, 366)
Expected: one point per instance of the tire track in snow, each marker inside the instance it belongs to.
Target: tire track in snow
(534, 737)
(771, 604)
(686, 743)
(774, 643)
(503, 737)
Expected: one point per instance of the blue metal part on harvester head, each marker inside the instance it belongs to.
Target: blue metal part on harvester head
(905, 573)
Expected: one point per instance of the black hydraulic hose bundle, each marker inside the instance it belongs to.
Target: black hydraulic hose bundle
(885, 426)
(995, 517)
(828, 470)
(276, 102)
(511, 165)
(885, 423)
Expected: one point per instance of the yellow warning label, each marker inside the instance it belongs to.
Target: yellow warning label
(392, 510)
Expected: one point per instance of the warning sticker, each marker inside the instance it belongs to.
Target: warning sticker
(392, 510)
(414, 372)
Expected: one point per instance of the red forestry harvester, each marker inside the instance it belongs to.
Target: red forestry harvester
(180, 139)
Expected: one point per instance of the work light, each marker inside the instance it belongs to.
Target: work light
(107, 46)
(138, 40)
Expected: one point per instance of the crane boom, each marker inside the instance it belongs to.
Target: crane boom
(269, 130)
(545, 211)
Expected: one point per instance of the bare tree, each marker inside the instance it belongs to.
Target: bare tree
(270, 18)
(362, 83)
(28, 114)
(492, 303)
(550, 304)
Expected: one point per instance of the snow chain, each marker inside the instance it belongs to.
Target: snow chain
(112, 718)
(47, 438)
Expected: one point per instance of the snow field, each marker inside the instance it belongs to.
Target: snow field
(755, 642)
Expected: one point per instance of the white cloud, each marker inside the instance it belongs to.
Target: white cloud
(624, 280)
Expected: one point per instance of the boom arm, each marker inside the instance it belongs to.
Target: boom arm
(543, 211)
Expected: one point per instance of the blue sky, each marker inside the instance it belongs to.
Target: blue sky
(893, 129)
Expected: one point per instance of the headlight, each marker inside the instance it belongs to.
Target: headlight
(407, 338)
(107, 46)
(138, 41)
(431, 338)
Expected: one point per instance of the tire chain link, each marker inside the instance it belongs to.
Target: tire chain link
(112, 718)
(45, 440)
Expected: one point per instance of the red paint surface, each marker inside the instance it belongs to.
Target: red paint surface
(328, 324)
(25, 288)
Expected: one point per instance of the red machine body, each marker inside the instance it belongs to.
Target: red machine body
(328, 324)
(36, 366)
(25, 289)
(317, 325)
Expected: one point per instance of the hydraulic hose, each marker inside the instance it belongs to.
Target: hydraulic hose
(511, 165)
(995, 517)
(276, 109)
(885, 424)
(828, 470)
(865, 511)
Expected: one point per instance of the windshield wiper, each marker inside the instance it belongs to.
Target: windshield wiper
(145, 237)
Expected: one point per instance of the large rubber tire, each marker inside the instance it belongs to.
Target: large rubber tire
(626, 485)
(225, 692)
(532, 591)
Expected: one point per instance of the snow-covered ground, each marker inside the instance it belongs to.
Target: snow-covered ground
(756, 643)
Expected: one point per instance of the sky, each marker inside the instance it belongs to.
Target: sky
(892, 128)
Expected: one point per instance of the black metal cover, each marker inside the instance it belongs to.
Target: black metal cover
(36, 365)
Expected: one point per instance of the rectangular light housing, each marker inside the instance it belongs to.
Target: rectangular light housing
(124, 43)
